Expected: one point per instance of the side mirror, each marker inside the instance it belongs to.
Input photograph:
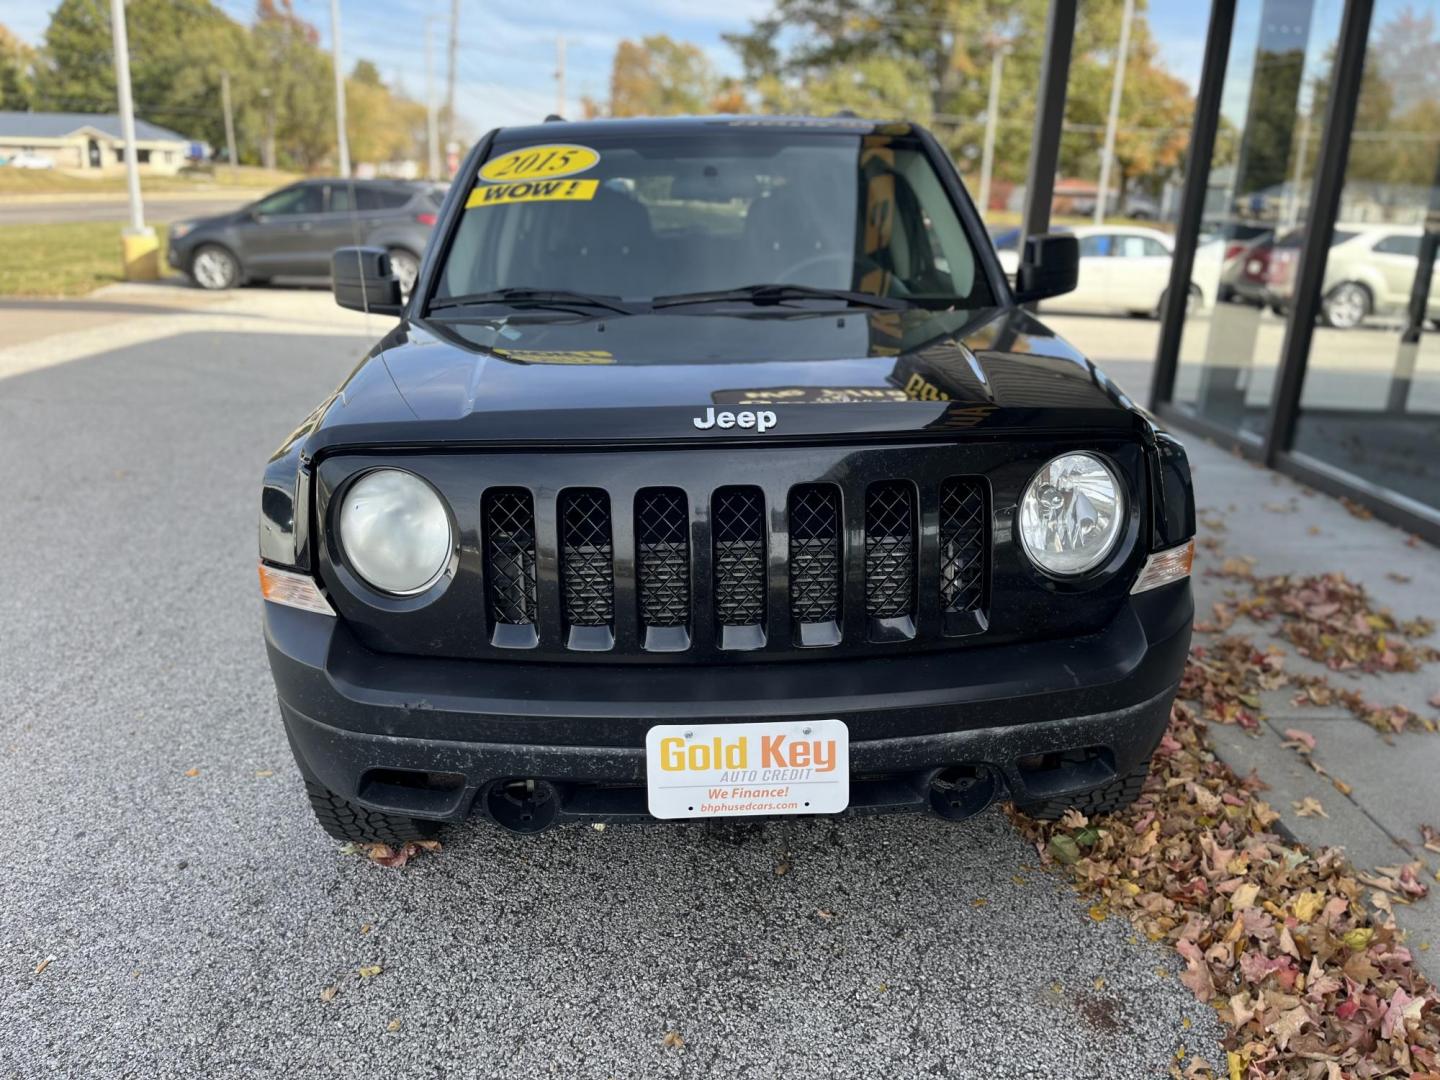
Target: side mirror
(1049, 266)
(362, 280)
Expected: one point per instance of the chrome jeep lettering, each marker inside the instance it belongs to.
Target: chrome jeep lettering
(760, 420)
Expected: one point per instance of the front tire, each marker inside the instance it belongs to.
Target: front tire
(1106, 799)
(1346, 305)
(214, 267)
(348, 821)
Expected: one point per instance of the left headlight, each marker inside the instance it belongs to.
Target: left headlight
(395, 532)
(1072, 514)
(180, 229)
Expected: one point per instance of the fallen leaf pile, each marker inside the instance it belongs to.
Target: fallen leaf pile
(392, 857)
(1298, 953)
(1328, 619)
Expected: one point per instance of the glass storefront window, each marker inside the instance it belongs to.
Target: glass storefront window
(1272, 112)
(1370, 402)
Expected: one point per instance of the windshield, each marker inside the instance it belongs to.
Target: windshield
(642, 216)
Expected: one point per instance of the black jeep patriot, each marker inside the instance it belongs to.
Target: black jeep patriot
(713, 469)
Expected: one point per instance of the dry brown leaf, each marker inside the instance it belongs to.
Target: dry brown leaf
(393, 1025)
(1309, 806)
(329, 992)
(369, 971)
(43, 964)
(192, 773)
(672, 1040)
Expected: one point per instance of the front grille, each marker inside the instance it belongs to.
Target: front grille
(738, 527)
(815, 553)
(649, 570)
(587, 559)
(963, 545)
(509, 524)
(890, 550)
(662, 566)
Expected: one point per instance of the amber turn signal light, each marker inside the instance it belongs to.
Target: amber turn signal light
(1165, 566)
(293, 590)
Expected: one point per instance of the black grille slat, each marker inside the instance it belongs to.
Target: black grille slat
(738, 536)
(963, 545)
(509, 521)
(890, 535)
(587, 558)
(814, 522)
(662, 540)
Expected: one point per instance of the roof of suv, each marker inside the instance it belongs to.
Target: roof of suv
(668, 125)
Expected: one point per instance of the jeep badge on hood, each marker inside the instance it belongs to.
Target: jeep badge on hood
(763, 420)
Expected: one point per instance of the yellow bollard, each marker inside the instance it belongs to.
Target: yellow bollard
(140, 253)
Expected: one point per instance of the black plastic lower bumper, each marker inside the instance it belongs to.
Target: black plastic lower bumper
(437, 738)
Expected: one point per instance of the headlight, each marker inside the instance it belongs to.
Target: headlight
(1072, 514)
(179, 229)
(395, 532)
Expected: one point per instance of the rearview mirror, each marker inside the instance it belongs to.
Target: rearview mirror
(362, 280)
(1049, 266)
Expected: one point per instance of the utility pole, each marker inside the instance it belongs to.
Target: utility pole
(992, 121)
(560, 75)
(138, 246)
(342, 142)
(432, 127)
(229, 119)
(450, 74)
(267, 151)
(1117, 88)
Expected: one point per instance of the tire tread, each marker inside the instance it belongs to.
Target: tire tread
(1106, 799)
(345, 820)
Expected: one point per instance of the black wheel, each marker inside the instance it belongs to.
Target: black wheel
(343, 820)
(1106, 799)
(214, 267)
(1346, 305)
(1192, 305)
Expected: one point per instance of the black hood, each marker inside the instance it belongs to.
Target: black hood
(542, 378)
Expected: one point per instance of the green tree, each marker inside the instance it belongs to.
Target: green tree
(17, 63)
(177, 50)
(658, 76)
(381, 123)
(945, 47)
(293, 117)
(75, 72)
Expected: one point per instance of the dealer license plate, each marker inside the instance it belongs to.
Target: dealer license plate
(740, 770)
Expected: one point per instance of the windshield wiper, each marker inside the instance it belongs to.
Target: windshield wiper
(775, 294)
(521, 294)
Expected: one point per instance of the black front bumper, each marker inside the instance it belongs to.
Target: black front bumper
(432, 738)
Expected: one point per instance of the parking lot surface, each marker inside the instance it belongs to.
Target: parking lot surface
(161, 851)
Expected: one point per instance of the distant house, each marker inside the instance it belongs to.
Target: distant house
(90, 141)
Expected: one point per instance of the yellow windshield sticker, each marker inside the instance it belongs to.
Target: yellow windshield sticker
(539, 163)
(532, 191)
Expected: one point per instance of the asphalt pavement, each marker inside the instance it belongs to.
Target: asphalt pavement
(159, 209)
(160, 848)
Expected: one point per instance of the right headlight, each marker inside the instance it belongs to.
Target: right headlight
(395, 532)
(1072, 514)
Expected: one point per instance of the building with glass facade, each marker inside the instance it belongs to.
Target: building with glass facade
(1312, 200)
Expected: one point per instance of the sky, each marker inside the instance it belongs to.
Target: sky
(506, 65)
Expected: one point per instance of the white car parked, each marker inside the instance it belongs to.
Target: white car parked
(26, 160)
(1127, 269)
